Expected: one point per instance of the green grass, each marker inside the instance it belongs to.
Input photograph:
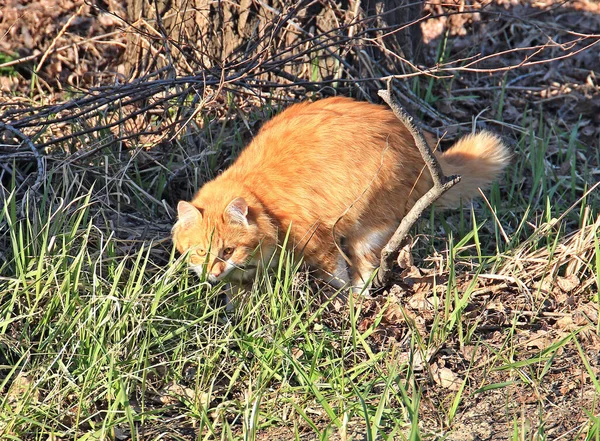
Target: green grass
(7, 71)
(94, 337)
(104, 334)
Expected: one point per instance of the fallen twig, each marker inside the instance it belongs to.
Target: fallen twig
(36, 153)
(441, 184)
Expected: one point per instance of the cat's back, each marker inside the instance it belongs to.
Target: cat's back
(311, 162)
(324, 130)
(315, 159)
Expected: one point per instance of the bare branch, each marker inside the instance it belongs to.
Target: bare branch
(441, 184)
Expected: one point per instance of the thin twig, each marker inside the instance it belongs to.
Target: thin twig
(96, 39)
(36, 153)
(55, 40)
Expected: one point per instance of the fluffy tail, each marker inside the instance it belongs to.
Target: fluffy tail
(479, 159)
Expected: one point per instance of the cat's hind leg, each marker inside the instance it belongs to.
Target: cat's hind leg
(365, 250)
(333, 269)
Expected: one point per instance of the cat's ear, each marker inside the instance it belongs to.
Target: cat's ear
(237, 211)
(187, 214)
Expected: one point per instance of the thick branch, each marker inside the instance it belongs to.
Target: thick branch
(441, 184)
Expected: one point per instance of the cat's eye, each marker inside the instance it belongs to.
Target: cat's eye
(227, 252)
(201, 252)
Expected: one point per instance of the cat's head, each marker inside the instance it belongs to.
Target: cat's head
(223, 244)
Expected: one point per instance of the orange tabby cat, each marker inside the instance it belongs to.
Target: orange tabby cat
(335, 170)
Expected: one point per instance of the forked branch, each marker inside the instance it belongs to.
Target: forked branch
(441, 184)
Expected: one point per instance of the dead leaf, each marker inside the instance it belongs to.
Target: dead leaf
(445, 377)
(545, 286)
(21, 392)
(393, 314)
(540, 339)
(405, 257)
(586, 314)
(174, 393)
(566, 323)
(569, 283)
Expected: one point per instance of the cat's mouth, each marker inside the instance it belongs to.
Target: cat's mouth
(248, 271)
(244, 272)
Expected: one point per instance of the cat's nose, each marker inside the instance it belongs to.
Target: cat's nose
(213, 276)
